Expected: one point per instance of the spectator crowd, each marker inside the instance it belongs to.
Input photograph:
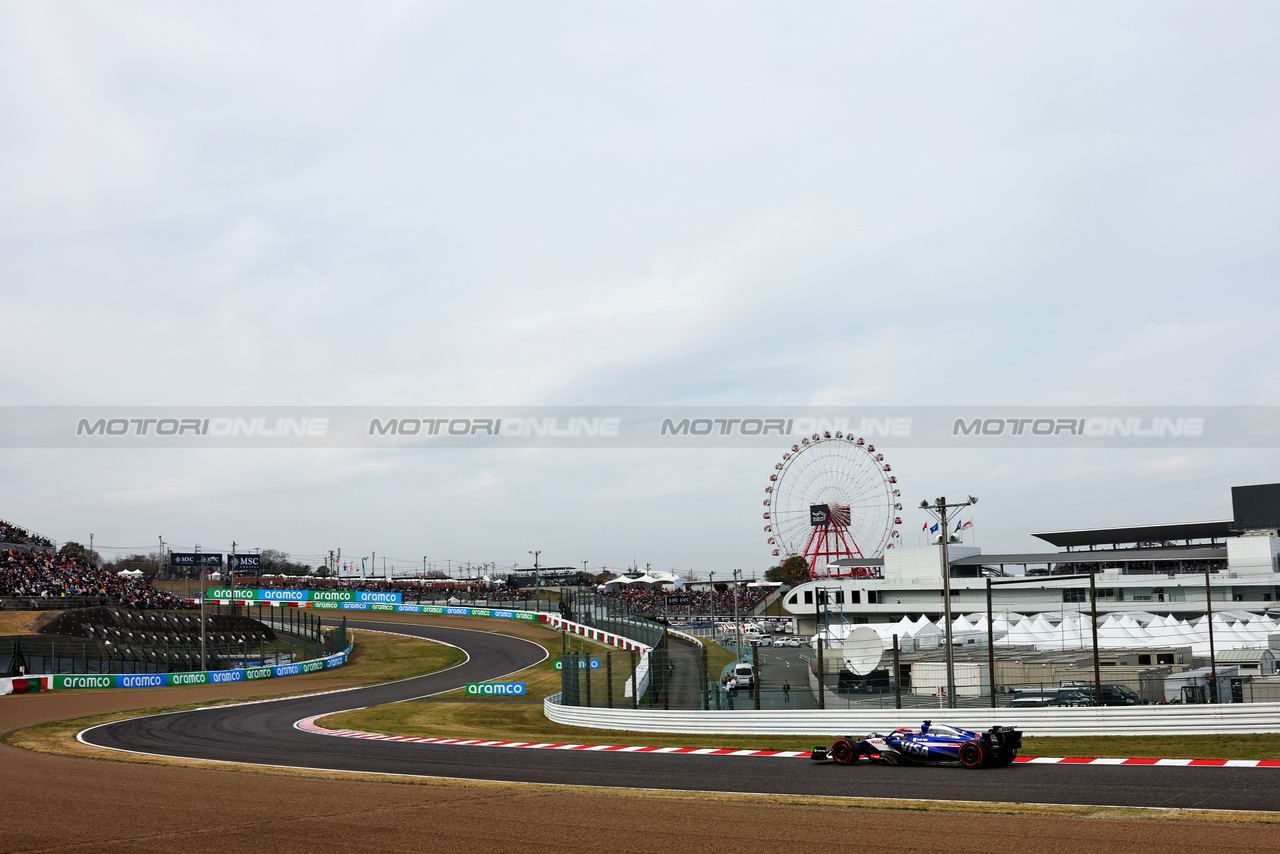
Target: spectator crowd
(655, 602)
(46, 575)
(10, 533)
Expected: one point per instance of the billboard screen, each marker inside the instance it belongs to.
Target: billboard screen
(1256, 506)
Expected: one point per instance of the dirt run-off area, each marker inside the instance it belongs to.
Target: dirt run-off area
(77, 803)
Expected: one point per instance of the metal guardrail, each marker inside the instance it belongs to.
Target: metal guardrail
(1112, 720)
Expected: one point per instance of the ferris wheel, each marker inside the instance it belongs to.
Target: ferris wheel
(833, 496)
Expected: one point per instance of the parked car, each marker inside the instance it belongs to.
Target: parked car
(1041, 699)
(1112, 695)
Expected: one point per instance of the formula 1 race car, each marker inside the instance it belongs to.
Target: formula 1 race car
(932, 745)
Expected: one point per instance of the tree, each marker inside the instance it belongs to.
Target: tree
(75, 551)
(792, 571)
(276, 562)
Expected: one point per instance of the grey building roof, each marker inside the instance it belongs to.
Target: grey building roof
(1172, 531)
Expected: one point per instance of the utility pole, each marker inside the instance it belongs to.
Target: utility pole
(91, 564)
(939, 510)
(1213, 657)
(712, 582)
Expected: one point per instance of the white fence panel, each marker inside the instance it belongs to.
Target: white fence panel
(1107, 720)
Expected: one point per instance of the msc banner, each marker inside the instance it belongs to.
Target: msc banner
(192, 559)
(488, 689)
(199, 677)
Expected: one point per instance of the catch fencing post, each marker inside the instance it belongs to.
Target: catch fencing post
(635, 684)
(822, 690)
(608, 676)
(1213, 658)
(706, 695)
(1093, 619)
(991, 644)
(755, 675)
(897, 676)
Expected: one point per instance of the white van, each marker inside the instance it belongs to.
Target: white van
(744, 677)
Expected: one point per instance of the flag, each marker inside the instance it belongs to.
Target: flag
(933, 529)
(957, 527)
(968, 524)
(925, 526)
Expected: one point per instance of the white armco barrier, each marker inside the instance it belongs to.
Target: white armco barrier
(1107, 720)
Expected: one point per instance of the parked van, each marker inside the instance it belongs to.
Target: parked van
(744, 677)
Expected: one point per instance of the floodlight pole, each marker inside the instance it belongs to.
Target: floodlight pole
(537, 587)
(939, 509)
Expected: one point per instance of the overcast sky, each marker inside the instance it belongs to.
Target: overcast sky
(582, 203)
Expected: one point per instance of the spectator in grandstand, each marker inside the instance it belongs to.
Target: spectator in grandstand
(46, 575)
(10, 533)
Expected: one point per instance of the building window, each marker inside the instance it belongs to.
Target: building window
(1164, 658)
(808, 597)
(855, 596)
(1144, 659)
(872, 597)
(792, 600)
(839, 597)
(1075, 594)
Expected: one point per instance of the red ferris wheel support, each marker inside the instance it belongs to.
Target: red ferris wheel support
(828, 544)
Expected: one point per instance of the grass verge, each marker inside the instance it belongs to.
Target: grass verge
(15, 622)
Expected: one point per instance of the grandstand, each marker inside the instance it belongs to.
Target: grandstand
(34, 576)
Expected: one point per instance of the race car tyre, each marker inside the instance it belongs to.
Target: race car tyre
(973, 754)
(845, 752)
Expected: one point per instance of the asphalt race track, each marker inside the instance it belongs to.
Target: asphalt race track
(264, 733)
